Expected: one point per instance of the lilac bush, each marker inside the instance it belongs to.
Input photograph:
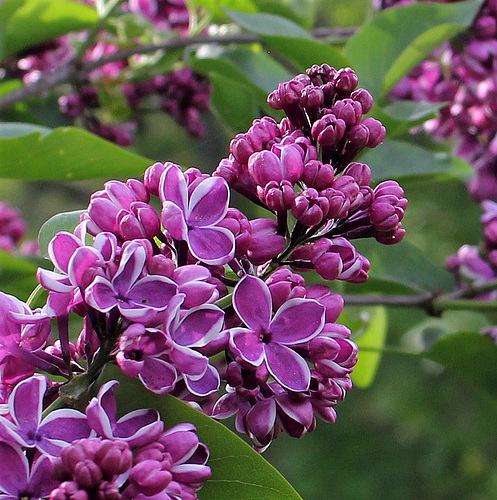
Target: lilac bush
(198, 301)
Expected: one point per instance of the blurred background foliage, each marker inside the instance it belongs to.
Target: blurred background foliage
(418, 431)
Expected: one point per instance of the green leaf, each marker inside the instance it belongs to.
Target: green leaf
(301, 12)
(394, 41)
(216, 7)
(402, 264)
(14, 129)
(237, 470)
(67, 153)
(233, 102)
(303, 53)
(402, 160)
(268, 24)
(371, 335)
(28, 22)
(65, 221)
(9, 86)
(413, 111)
(17, 275)
(261, 69)
(469, 355)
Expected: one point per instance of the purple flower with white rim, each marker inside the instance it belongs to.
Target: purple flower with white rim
(193, 218)
(18, 481)
(143, 353)
(189, 330)
(137, 428)
(137, 298)
(27, 428)
(270, 340)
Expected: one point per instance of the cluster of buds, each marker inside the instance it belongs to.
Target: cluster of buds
(70, 455)
(462, 74)
(198, 301)
(183, 94)
(12, 230)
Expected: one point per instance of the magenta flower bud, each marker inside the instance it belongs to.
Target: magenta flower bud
(239, 225)
(358, 137)
(229, 169)
(348, 186)
(338, 259)
(114, 457)
(277, 196)
(485, 27)
(162, 265)
(345, 80)
(87, 474)
(328, 130)
(148, 477)
(244, 145)
(11, 224)
(318, 175)
(390, 237)
(312, 97)
(71, 106)
(234, 374)
(348, 110)
(288, 93)
(377, 132)
(139, 190)
(333, 302)
(365, 99)
(338, 201)
(68, 490)
(151, 177)
(266, 244)
(309, 207)
(360, 172)
(285, 285)
(323, 73)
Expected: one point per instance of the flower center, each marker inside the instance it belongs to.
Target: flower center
(265, 336)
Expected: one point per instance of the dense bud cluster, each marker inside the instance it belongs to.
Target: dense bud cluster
(183, 94)
(463, 73)
(198, 301)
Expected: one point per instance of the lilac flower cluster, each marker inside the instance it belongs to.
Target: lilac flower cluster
(182, 93)
(73, 455)
(198, 301)
(12, 230)
(463, 73)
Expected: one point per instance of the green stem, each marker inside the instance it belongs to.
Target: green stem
(390, 350)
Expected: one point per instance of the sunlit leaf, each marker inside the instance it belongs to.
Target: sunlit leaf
(237, 470)
(66, 153)
(268, 24)
(27, 22)
(395, 40)
(370, 338)
(215, 7)
(65, 221)
(301, 12)
(402, 160)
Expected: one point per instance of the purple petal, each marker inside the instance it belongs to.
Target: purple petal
(153, 291)
(297, 321)
(188, 361)
(65, 425)
(226, 406)
(173, 219)
(26, 403)
(199, 326)
(158, 375)
(173, 187)
(101, 295)
(287, 367)
(101, 411)
(13, 470)
(53, 281)
(81, 267)
(191, 473)
(209, 202)
(130, 268)
(61, 248)
(247, 344)
(252, 303)
(205, 385)
(192, 272)
(139, 427)
(41, 482)
(260, 419)
(212, 245)
(106, 244)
